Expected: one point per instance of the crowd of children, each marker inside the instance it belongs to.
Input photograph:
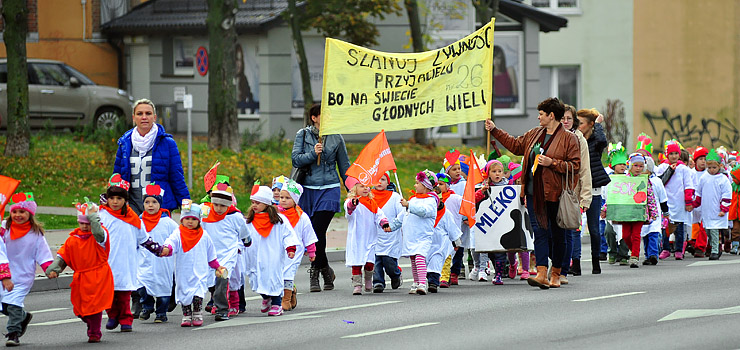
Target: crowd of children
(692, 203)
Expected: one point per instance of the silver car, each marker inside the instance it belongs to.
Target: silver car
(60, 96)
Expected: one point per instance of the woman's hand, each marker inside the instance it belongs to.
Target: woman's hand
(8, 284)
(545, 160)
(600, 118)
(490, 125)
(318, 148)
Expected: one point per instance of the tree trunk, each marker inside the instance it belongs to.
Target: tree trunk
(15, 17)
(302, 62)
(223, 128)
(417, 41)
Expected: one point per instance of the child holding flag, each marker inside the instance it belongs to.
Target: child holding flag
(92, 282)
(418, 228)
(388, 246)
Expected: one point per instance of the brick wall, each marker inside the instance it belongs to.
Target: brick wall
(95, 15)
(33, 21)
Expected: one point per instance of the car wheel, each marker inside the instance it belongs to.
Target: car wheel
(107, 118)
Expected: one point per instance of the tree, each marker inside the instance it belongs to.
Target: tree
(349, 20)
(615, 122)
(223, 127)
(485, 10)
(15, 17)
(417, 41)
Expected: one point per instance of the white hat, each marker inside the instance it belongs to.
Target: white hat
(294, 189)
(192, 210)
(263, 195)
(222, 194)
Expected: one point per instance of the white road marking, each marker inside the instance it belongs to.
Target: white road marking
(58, 322)
(714, 262)
(389, 330)
(610, 296)
(44, 310)
(289, 316)
(683, 314)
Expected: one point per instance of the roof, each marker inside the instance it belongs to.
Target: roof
(518, 11)
(189, 17)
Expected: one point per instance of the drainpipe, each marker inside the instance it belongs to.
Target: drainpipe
(84, 19)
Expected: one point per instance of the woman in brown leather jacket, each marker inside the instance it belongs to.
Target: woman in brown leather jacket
(556, 149)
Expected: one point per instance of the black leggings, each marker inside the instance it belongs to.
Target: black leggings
(320, 222)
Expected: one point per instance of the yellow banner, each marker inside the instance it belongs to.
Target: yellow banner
(366, 91)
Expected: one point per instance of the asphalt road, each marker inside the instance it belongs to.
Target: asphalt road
(690, 304)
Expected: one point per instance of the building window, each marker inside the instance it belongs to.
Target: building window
(557, 6)
(182, 56)
(562, 82)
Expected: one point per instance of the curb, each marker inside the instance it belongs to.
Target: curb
(43, 284)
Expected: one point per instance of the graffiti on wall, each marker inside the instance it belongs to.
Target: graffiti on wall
(690, 131)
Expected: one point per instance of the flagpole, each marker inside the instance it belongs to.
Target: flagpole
(398, 183)
(488, 141)
(318, 160)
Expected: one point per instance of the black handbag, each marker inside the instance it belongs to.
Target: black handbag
(299, 174)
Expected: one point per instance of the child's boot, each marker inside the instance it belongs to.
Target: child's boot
(187, 316)
(368, 281)
(357, 284)
(197, 318)
(287, 294)
(498, 267)
(454, 279)
(294, 298)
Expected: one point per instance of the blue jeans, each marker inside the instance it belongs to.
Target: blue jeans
(545, 240)
(568, 252)
(147, 303)
(576, 237)
(602, 228)
(276, 300)
(678, 243)
(390, 265)
(652, 244)
(457, 261)
(592, 217)
(433, 279)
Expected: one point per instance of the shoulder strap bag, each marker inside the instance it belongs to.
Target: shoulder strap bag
(569, 213)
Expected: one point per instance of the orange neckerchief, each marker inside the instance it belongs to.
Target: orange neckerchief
(19, 230)
(262, 224)
(440, 214)
(446, 195)
(130, 218)
(214, 217)
(293, 215)
(369, 203)
(189, 238)
(382, 197)
(151, 220)
(80, 233)
(419, 195)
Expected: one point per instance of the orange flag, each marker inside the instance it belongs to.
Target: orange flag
(374, 160)
(475, 177)
(7, 188)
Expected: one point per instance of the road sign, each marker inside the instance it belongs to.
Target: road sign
(187, 101)
(180, 92)
(201, 61)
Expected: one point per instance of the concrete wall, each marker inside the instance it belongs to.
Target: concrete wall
(687, 71)
(600, 41)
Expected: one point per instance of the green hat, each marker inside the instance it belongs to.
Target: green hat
(713, 156)
(219, 180)
(505, 160)
(617, 154)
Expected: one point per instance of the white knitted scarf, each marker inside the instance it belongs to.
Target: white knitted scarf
(143, 144)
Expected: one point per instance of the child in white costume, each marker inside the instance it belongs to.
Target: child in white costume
(446, 231)
(388, 246)
(227, 228)
(714, 194)
(195, 256)
(272, 238)
(418, 228)
(651, 233)
(126, 234)
(679, 186)
(452, 202)
(26, 248)
(364, 216)
(455, 169)
(155, 274)
(290, 194)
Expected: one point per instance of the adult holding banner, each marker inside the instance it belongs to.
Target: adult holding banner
(321, 191)
(589, 123)
(549, 151)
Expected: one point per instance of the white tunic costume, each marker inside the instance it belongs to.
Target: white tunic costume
(389, 243)
(362, 234)
(266, 257)
(124, 258)
(23, 255)
(191, 267)
(459, 189)
(306, 236)
(418, 226)
(226, 235)
(696, 213)
(155, 273)
(680, 181)
(445, 233)
(712, 189)
(660, 197)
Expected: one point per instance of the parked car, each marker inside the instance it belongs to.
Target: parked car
(61, 96)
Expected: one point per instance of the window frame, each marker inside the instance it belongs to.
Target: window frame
(177, 71)
(556, 9)
(554, 88)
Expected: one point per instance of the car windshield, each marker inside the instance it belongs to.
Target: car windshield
(81, 77)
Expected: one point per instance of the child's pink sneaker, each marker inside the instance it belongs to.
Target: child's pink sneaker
(664, 254)
(187, 321)
(679, 256)
(233, 312)
(275, 310)
(197, 319)
(512, 270)
(265, 305)
(525, 275)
